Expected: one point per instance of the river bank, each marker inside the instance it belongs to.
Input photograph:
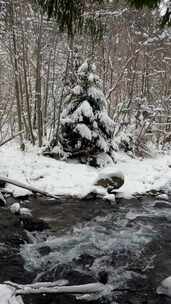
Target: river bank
(74, 179)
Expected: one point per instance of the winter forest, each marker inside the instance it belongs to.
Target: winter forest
(39, 66)
(85, 157)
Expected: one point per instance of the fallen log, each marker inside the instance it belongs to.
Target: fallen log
(27, 187)
(75, 289)
(49, 288)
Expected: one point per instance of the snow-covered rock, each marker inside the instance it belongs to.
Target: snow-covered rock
(110, 179)
(25, 212)
(15, 208)
(18, 210)
(165, 287)
(163, 196)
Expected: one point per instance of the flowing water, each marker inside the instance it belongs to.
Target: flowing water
(131, 242)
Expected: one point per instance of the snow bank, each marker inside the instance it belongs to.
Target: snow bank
(55, 177)
(61, 178)
(7, 295)
(142, 175)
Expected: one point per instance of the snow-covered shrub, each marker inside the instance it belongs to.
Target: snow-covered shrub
(125, 142)
(86, 129)
(138, 127)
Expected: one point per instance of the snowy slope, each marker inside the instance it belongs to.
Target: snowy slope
(59, 177)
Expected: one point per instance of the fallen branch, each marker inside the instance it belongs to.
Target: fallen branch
(11, 138)
(27, 187)
(37, 285)
(74, 289)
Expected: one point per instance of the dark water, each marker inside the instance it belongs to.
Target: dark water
(130, 241)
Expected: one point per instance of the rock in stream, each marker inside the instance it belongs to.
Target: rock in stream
(12, 236)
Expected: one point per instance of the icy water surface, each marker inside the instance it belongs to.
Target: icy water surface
(130, 241)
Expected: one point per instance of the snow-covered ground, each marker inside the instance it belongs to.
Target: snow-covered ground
(7, 295)
(61, 178)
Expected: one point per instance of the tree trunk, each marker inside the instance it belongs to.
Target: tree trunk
(16, 72)
(38, 99)
(26, 83)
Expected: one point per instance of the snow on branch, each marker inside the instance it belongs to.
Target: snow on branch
(75, 289)
(47, 287)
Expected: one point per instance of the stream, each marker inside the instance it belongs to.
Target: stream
(84, 241)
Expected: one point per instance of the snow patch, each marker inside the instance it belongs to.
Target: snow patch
(7, 295)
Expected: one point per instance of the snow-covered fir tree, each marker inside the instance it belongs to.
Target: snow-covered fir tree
(86, 130)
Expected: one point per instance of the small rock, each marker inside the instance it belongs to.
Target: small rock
(162, 204)
(2, 184)
(45, 250)
(32, 224)
(67, 272)
(163, 196)
(25, 212)
(85, 260)
(103, 277)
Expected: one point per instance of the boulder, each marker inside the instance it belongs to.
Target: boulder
(110, 180)
(67, 272)
(11, 262)
(34, 224)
